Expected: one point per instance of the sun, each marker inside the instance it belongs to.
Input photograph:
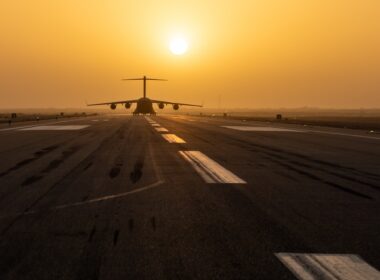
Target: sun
(178, 45)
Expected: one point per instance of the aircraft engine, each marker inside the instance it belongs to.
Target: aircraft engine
(161, 105)
(175, 106)
(113, 106)
(127, 105)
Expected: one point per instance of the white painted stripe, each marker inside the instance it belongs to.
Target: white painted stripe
(261, 128)
(210, 170)
(34, 125)
(275, 129)
(198, 168)
(161, 129)
(172, 138)
(328, 266)
(87, 202)
(344, 134)
(155, 124)
(55, 127)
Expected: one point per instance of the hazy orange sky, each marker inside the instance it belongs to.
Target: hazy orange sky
(258, 53)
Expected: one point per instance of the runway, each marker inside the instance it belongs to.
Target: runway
(184, 197)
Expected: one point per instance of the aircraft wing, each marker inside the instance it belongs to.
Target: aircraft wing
(114, 102)
(173, 103)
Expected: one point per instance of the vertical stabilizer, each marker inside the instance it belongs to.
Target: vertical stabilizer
(144, 79)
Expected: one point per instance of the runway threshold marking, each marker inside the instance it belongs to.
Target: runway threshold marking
(261, 128)
(172, 138)
(211, 171)
(328, 266)
(161, 129)
(55, 127)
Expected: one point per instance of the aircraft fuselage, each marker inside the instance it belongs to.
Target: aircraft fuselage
(144, 106)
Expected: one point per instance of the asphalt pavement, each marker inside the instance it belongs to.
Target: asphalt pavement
(186, 197)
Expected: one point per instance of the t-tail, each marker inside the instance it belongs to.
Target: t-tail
(144, 79)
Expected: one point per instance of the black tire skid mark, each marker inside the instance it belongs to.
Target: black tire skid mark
(68, 177)
(10, 263)
(272, 150)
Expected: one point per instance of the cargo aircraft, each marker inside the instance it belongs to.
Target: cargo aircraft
(144, 105)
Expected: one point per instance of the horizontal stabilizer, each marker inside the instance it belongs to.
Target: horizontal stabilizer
(142, 79)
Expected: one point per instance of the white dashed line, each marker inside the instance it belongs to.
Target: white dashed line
(328, 266)
(55, 127)
(150, 121)
(172, 138)
(161, 129)
(155, 124)
(210, 170)
(262, 128)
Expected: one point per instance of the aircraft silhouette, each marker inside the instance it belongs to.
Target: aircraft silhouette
(144, 105)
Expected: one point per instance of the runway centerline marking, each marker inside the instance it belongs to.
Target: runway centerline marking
(261, 128)
(161, 129)
(328, 266)
(155, 124)
(55, 127)
(172, 138)
(211, 171)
